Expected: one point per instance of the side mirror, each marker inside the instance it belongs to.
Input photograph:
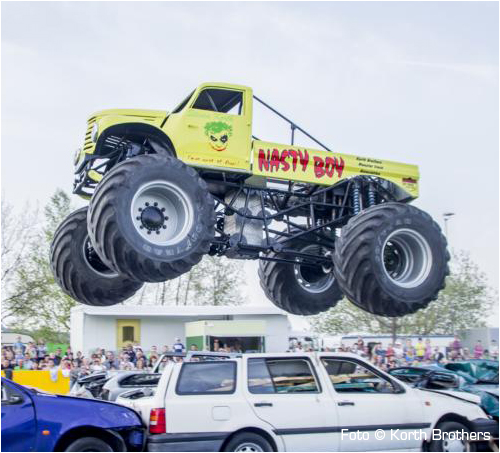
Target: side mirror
(15, 399)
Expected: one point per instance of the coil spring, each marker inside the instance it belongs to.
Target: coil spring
(371, 196)
(356, 206)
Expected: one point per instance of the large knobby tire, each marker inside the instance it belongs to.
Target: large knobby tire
(451, 438)
(89, 444)
(78, 269)
(298, 289)
(248, 441)
(391, 259)
(151, 218)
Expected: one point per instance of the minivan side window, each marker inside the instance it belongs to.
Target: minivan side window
(352, 377)
(206, 378)
(281, 376)
(220, 100)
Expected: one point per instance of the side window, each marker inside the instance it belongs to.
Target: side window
(220, 100)
(351, 377)
(281, 376)
(205, 378)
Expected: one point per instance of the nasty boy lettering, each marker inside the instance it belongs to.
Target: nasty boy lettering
(297, 160)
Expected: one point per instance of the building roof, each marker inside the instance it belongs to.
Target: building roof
(177, 310)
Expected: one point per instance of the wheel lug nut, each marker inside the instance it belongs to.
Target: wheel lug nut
(164, 227)
(155, 203)
(140, 209)
(162, 209)
(166, 218)
(157, 232)
(141, 227)
(147, 204)
(149, 231)
(138, 218)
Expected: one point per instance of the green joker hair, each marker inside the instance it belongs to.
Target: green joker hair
(218, 126)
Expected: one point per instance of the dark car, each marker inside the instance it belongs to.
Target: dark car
(36, 421)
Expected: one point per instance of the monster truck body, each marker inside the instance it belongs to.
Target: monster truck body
(140, 162)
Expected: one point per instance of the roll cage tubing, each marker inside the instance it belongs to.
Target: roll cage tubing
(335, 201)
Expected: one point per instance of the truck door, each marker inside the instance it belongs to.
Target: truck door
(18, 420)
(214, 129)
(287, 394)
(374, 412)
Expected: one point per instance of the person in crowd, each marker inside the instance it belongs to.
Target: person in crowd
(126, 363)
(178, 347)
(389, 353)
(165, 349)
(152, 361)
(57, 356)
(420, 350)
(493, 350)
(141, 363)
(456, 348)
(360, 344)
(41, 349)
(152, 351)
(193, 347)
(28, 362)
(428, 350)
(111, 363)
(97, 366)
(465, 354)
(409, 351)
(437, 355)
(478, 350)
(19, 346)
(130, 353)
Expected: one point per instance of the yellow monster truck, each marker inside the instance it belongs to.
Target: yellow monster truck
(167, 188)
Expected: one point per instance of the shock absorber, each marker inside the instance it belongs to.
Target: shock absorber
(371, 195)
(356, 202)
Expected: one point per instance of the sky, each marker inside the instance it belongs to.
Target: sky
(415, 82)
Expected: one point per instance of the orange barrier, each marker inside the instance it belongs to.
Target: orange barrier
(41, 379)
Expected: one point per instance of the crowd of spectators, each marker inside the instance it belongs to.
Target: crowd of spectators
(34, 355)
(406, 353)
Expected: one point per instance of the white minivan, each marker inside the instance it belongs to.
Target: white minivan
(301, 402)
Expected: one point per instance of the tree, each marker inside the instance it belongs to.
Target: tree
(214, 281)
(19, 233)
(35, 299)
(461, 305)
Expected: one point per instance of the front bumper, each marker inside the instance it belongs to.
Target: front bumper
(186, 442)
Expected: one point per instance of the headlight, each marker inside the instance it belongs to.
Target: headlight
(95, 131)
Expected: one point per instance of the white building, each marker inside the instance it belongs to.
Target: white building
(248, 327)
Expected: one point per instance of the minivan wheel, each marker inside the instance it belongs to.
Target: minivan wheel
(248, 441)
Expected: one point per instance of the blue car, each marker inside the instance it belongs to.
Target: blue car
(37, 421)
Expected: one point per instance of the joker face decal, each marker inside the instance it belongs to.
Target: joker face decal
(218, 134)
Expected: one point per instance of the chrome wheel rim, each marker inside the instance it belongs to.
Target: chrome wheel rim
(313, 279)
(249, 446)
(407, 258)
(161, 213)
(92, 260)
